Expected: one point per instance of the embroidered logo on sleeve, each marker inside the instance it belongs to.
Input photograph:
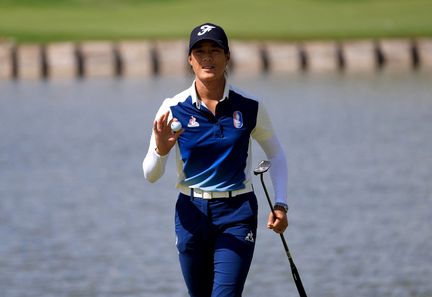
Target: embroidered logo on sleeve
(237, 119)
(193, 122)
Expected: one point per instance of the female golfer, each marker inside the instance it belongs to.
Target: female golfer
(216, 210)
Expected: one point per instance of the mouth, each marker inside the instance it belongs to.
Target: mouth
(208, 67)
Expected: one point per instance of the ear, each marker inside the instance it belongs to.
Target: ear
(227, 60)
(190, 59)
(228, 56)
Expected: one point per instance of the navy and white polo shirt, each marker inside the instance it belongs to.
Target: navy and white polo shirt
(214, 151)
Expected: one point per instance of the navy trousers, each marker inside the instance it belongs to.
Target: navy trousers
(215, 241)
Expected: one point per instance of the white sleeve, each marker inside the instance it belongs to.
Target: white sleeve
(154, 164)
(279, 169)
(265, 136)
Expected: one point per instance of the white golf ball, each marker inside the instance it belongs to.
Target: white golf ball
(176, 126)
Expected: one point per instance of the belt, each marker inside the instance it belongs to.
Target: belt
(198, 193)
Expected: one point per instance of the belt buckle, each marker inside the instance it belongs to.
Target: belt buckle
(203, 194)
(207, 195)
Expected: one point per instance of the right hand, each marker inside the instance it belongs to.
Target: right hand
(164, 136)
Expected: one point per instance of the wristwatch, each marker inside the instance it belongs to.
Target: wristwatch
(282, 205)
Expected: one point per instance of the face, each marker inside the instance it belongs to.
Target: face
(208, 61)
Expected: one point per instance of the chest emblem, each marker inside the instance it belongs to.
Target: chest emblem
(193, 122)
(237, 119)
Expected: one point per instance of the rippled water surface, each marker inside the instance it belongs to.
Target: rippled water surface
(78, 219)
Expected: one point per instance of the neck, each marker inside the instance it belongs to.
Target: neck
(210, 90)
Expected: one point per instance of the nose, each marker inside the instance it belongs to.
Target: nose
(207, 57)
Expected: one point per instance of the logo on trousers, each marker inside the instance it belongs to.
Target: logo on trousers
(250, 237)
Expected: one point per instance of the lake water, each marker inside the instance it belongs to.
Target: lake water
(78, 219)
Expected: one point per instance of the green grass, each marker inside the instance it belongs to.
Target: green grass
(56, 20)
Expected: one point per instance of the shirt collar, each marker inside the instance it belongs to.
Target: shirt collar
(197, 101)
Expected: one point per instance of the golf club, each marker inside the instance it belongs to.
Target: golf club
(263, 167)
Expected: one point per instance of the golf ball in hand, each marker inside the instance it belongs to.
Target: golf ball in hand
(176, 126)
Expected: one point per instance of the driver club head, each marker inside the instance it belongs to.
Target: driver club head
(263, 166)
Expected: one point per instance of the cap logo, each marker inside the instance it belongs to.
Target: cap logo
(205, 29)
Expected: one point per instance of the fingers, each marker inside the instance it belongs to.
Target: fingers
(277, 223)
(155, 126)
(161, 124)
(165, 138)
(177, 134)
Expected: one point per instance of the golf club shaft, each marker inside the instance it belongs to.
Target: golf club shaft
(294, 270)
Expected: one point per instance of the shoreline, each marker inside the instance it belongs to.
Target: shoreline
(145, 58)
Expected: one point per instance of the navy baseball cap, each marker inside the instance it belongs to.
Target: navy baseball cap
(211, 32)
